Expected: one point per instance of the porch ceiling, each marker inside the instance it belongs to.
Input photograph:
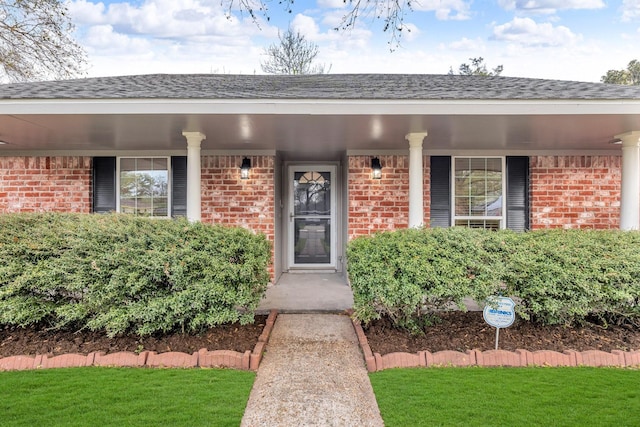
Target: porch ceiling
(311, 133)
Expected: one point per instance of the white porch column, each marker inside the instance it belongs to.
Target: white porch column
(416, 179)
(194, 140)
(630, 192)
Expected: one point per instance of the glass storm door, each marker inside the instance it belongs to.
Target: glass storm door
(312, 216)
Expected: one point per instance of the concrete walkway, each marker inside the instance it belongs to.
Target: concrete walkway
(312, 374)
(308, 293)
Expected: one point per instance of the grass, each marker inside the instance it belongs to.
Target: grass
(508, 396)
(124, 397)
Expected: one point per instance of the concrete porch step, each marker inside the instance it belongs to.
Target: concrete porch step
(308, 293)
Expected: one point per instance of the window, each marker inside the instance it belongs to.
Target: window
(514, 203)
(478, 192)
(143, 186)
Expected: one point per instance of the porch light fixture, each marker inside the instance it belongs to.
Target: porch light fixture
(376, 168)
(245, 168)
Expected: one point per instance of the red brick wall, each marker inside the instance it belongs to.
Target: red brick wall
(382, 204)
(45, 184)
(378, 204)
(575, 191)
(229, 200)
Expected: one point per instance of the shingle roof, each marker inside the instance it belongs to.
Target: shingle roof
(326, 86)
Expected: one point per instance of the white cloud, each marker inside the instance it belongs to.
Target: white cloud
(353, 39)
(465, 44)
(333, 18)
(306, 26)
(102, 39)
(163, 18)
(444, 9)
(525, 31)
(549, 6)
(381, 61)
(87, 13)
(630, 10)
(410, 32)
(167, 36)
(331, 4)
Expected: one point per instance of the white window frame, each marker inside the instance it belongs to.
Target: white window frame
(169, 184)
(501, 219)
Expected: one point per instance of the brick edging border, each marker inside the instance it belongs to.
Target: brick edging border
(594, 358)
(247, 361)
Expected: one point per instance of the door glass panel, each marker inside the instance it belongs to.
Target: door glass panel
(312, 193)
(312, 214)
(312, 240)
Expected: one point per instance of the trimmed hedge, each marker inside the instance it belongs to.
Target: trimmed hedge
(123, 274)
(558, 276)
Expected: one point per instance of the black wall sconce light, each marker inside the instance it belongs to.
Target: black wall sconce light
(245, 168)
(376, 168)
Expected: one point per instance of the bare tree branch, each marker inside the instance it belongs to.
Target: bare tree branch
(36, 43)
(292, 55)
(391, 12)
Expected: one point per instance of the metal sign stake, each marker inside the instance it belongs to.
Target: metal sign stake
(497, 337)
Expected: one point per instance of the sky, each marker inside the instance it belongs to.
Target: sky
(551, 39)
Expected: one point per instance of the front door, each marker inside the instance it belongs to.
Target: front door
(312, 213)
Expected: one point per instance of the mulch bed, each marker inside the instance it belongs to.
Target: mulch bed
(29, 341)
(463, 331)
(457, 331)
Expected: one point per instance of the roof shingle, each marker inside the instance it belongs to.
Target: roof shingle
(323, 86)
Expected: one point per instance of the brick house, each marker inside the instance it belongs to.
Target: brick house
(314, 161)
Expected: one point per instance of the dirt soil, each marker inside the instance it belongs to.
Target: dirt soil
(20, 341)
(457, 331)
(463, 331)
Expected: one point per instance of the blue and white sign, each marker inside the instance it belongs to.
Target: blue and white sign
(502, 315)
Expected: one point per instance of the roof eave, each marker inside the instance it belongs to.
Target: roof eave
(153, 106)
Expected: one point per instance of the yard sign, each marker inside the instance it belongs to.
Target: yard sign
(500, 316)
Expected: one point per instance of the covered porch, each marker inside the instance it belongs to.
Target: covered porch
(336, 124)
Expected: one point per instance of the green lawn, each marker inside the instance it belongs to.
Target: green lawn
(508, 397)
(124, 397)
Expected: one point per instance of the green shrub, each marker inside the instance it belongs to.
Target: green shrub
(120, 273)
(569, 276)
(557, 276)
(407, 274)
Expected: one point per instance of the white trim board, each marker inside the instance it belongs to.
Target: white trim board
(319, 107)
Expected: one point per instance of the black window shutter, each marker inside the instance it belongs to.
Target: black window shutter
(440, 191)
(518, 193)
(178, 186)
(104, 184)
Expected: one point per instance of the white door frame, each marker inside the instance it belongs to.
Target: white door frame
(290, 217)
